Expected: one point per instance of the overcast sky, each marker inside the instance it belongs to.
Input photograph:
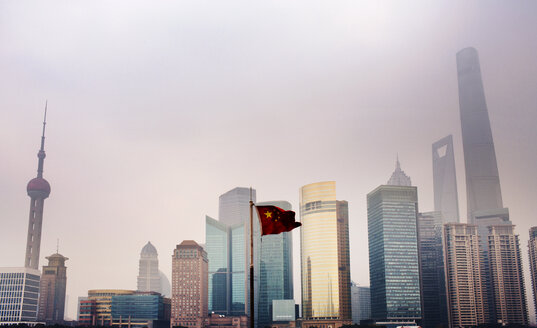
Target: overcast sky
(158, 107)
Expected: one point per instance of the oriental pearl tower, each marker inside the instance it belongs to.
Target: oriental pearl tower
(38, 189)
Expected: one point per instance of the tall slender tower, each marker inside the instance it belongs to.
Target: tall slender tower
(38, 189)
(446, 199)
(482, 179)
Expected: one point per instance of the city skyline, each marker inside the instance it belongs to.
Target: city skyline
(129, 153)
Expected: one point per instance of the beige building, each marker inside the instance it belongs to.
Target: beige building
(464, 280)
(52, 290)
(507, 276)
(532, 245)
(326, 299)
(189, 285)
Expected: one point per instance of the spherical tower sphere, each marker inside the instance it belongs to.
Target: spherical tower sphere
(38, 188)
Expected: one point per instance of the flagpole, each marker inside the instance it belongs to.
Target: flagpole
(252, 325)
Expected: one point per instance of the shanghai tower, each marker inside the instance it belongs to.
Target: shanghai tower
(38, 189)
(482, 179)
(499, 246)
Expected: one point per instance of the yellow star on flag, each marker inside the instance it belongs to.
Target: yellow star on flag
(268, 214)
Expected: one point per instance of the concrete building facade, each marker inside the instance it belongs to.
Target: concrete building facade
(465, 283)
(532, 249)
(52, 290)
(189, 285)
(507, 276)
(19, 292)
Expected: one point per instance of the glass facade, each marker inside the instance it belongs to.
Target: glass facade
(361, 303)
(393, 253)
(227, 245)
(138, 306)
(323, 271)
(238, 269)
(433, 282)
(19, 291)
(216, 245)
(276, 271)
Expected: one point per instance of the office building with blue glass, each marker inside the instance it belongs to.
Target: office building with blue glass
(393, 252)
(275, 270)
(19, 294)
(227, 244)
(142, 309)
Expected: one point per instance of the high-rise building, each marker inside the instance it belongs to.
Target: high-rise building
(38, 189)
(532, 246)
(19, 291)
(393, 252)
(189, 285)
(52, 290)
(275, 271)
(228, 250)
(325, 258)
(150, 278)
(465, 283)
(361, 303)
(482, 178)
(507, 276)
(433, 283)
(484, 197)
(446, 199)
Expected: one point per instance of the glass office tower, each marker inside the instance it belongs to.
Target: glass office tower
(228, 250)
(393, 252)
(433, 282)
(325, 270)
(216, 245)
(276, 269)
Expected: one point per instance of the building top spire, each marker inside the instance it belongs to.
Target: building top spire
(41, 154)
(399, 178)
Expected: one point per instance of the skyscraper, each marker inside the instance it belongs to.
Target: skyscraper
(393, 251)
(465, 282)
(150, 279)
(484, 197)
(325, 258)
(276, 269)
(189, 285)
(507, 276)
(433, 283)
(532, 248)
(52, 290)
(482, 179)
(228, 247)
(361, 303)
(446, 199)
(38, 189)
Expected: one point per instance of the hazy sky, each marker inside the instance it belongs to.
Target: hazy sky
(158, 107)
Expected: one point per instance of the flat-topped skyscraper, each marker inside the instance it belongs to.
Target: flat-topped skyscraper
(482, 179)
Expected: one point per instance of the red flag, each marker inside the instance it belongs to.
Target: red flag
(274, 220)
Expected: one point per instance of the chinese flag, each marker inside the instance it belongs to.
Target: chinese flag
(274, 220)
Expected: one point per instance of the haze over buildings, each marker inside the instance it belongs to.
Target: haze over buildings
(155, 110)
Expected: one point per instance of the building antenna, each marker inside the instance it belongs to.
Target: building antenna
(58, 246)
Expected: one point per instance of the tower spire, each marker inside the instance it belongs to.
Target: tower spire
(41, 154)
